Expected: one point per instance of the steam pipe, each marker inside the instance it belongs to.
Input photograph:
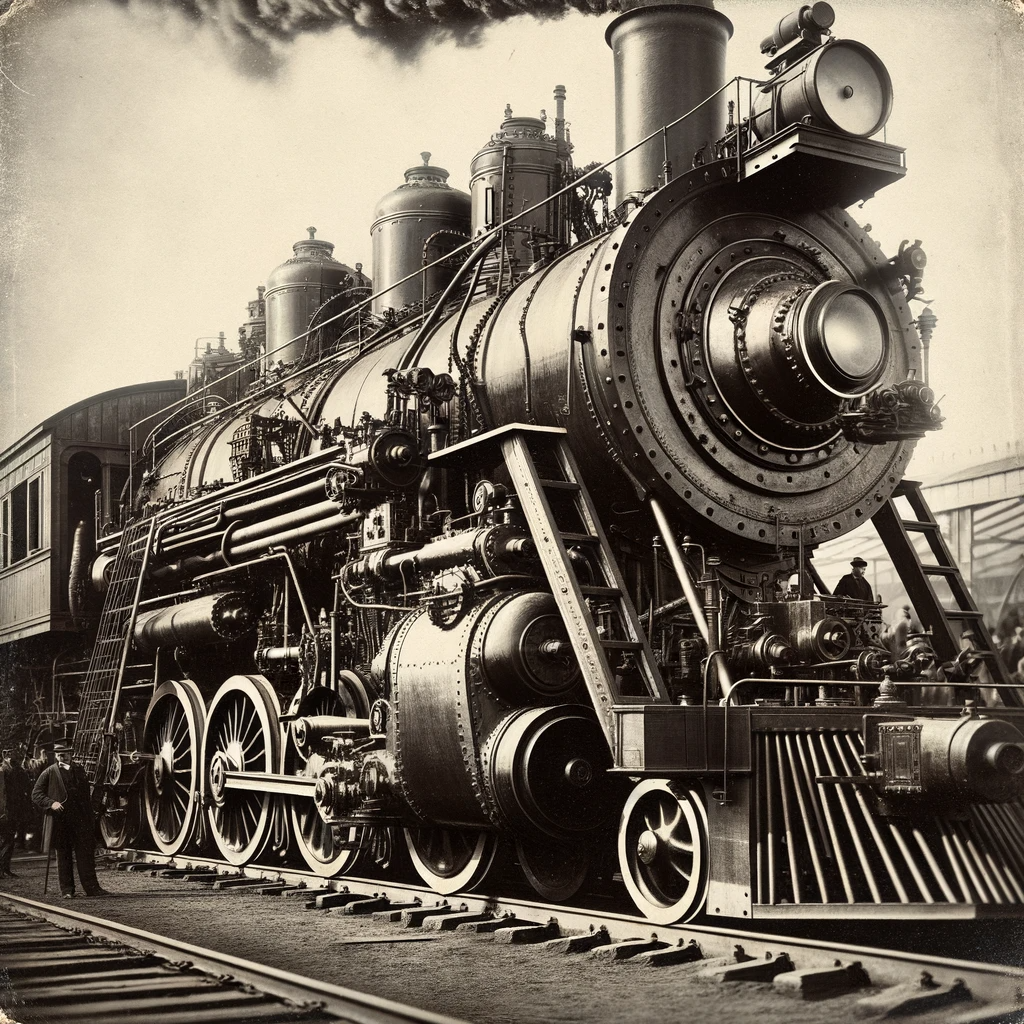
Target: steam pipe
(297, 517)
(231, 551)
(695, 603)
(683, 574)
(453, 286)
(293, 536)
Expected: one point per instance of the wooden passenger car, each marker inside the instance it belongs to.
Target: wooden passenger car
(70, 469)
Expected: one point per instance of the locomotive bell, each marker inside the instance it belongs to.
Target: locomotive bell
(413, 225)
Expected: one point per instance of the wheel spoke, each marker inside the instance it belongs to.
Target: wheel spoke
(661, 850)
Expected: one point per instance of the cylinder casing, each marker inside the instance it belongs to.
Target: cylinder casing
(668, 57)
(426, 210)
(214, 618)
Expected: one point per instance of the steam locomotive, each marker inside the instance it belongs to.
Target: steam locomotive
(492, 550)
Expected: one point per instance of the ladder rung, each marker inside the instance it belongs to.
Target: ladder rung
(579, 538)
(600, 591)
(622, 645)
(919, 525)
(940, 570)
(963, 613)
(559, 485)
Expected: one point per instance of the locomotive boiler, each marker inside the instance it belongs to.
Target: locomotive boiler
(505, 556)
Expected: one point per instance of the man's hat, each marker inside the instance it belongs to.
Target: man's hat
(859, 562)
(62, 747)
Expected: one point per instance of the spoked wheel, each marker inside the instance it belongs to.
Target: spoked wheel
(555, 871)
(663, 850)
(450, 860)
(327, 849)
(242, 735)
(121, 821)
(172, 741)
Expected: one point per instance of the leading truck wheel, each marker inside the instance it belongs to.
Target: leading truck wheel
(663, 850)
(172, 742)
(242, 735)
(451, 860)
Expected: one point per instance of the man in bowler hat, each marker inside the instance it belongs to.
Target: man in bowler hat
(62, 791)
(853, 584)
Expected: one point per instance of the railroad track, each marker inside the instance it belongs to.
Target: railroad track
(59, 965)
(890, 982)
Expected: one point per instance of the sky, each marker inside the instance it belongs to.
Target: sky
(152, 175)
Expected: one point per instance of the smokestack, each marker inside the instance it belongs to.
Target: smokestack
(560, 113)
(668, 57)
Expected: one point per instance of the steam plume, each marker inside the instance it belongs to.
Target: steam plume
(403, 26)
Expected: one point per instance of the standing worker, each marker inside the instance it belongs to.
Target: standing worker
(62, 791)
(853, 584)
(7, 801)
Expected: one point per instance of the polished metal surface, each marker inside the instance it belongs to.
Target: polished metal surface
(841, 86)
(414, 225)
(295, 290)
(669, 58)
(210, 619)
(519, 167)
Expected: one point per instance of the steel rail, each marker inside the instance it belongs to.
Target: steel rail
(994, 982)
(345, 1003)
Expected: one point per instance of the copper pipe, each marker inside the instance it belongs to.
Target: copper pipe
(758, 835)
(890, 865)
(984, 894)
(988, 823)
(770, 791)
(990, 877)
(1003, 842)
(263, 528)
(951, 856)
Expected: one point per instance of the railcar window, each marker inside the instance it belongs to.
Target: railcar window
(19, 522)
(21, 531)
(34, 539)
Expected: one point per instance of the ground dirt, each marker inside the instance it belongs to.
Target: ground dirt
(465, 976)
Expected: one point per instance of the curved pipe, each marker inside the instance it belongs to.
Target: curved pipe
(460, 275)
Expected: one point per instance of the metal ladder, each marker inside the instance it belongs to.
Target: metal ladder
(110, 651)
(612, 657)
(945, 624)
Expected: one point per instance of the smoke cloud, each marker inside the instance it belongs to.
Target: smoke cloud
(258, 31)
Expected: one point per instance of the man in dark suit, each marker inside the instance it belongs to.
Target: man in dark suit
(62, 791)
(853, 583)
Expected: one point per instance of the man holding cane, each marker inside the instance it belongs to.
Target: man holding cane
(62, 791)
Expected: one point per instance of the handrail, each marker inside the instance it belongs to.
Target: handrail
(497, 229)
